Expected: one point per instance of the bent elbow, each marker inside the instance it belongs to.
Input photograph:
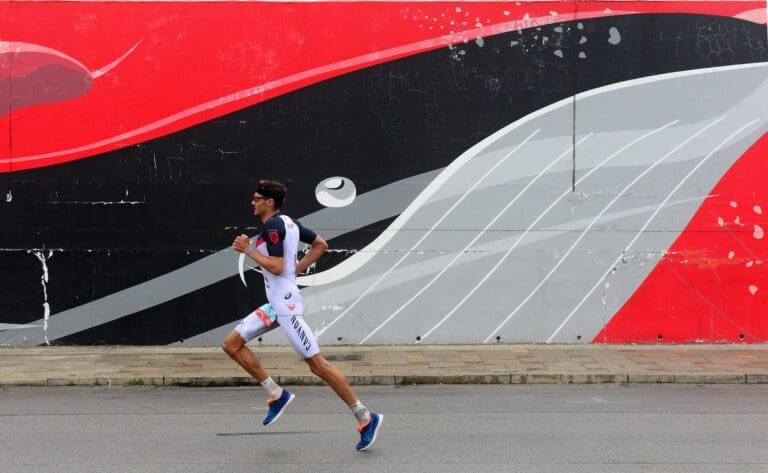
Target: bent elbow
(320, 243)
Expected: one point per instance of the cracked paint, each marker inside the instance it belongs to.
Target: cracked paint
(43, 257)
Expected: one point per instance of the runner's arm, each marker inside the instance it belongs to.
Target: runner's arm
(273, 264)
(316, 250)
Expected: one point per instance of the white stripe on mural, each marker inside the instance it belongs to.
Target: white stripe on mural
(567, 152)
(424, 237)
(546, 211)
(592, 223)
(612, 267)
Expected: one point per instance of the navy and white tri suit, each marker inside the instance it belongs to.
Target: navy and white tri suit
(280, 236)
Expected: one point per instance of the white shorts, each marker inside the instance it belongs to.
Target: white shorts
(294, 327)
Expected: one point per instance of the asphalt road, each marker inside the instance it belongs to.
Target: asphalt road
(658, 428)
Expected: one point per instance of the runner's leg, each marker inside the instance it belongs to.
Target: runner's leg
(333, 377)
(234, 346)
(256, 323)
(304, 342)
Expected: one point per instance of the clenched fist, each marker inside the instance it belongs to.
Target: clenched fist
(241, 244)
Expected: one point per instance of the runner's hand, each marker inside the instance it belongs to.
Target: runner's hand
(241, 243)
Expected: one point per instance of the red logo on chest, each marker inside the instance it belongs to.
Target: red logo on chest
(274, 237)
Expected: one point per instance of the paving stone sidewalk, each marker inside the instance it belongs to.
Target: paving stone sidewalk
(409, 364)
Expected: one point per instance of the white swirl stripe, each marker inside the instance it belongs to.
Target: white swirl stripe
(429, 232)
(592, 223)
(358, 260)
(477, 237)
(542, 215)
(241, 266)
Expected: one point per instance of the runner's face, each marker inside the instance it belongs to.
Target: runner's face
(259, 203)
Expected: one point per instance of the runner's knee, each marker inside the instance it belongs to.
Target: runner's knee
(228, 348)
(317, 365)
(232, 345)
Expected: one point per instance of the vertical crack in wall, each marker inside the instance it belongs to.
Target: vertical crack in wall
(573, 103)
(606, 285)
(573, 147)
(44, 281)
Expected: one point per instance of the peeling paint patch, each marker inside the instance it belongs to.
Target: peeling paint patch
(117, 202)
(347, 251)
(614, 37)
(44, 281)
(333, 307)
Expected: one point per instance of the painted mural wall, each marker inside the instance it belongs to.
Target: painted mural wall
(568, 172)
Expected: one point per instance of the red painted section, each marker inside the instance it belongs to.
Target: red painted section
(713, 284)
(199, 60)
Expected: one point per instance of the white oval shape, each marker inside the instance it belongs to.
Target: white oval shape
(336, 191)
(757, 210)
(753, 289)
(758, 233)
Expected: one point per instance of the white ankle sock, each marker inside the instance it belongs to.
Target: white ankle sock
(273, 390)
(362, 414)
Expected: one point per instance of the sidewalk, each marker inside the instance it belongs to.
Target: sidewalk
(389, 365)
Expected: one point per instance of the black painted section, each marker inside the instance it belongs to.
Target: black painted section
(178, 319)
(190, 191)
(21, 288)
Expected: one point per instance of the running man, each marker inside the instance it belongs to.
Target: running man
(276, 252)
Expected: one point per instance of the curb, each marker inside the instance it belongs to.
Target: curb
(413, 379)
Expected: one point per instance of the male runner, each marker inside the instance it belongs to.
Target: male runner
(276, 252)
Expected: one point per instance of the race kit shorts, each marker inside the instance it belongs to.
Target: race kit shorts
(294, 327)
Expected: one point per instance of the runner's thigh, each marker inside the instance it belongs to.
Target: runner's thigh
(299, 334)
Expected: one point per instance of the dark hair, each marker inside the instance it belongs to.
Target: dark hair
(273, 190)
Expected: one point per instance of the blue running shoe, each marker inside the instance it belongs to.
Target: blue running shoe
(277, 406)
(368, 431)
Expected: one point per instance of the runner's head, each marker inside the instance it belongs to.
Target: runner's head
(269, 196)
